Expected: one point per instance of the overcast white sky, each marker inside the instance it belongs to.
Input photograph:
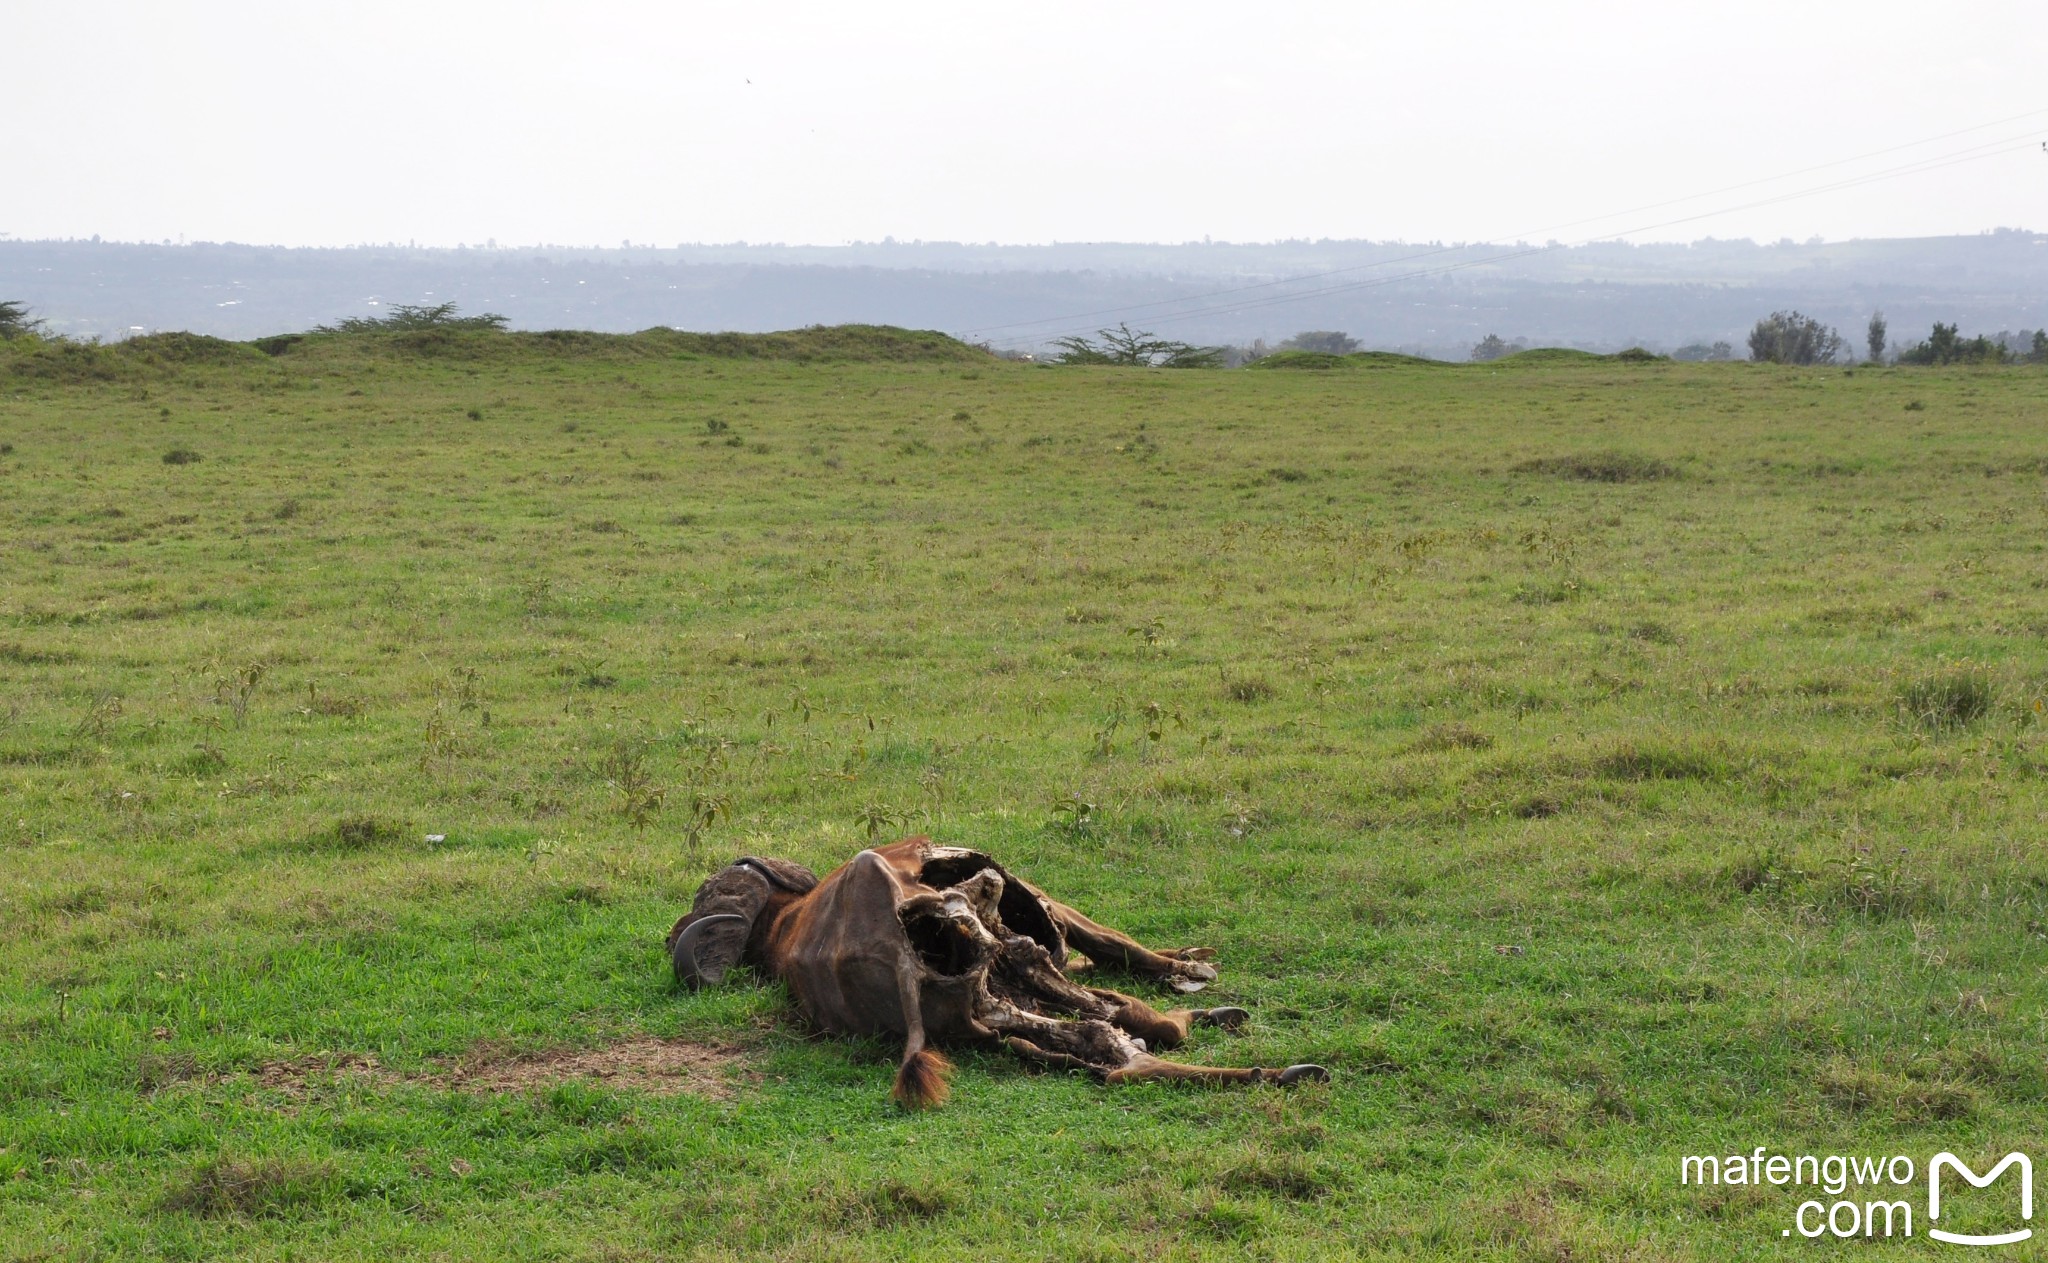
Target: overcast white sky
(447, 121)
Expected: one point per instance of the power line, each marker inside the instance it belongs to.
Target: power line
(1131, 309)
(1787, 175)
(1998, 148)
(1281, 299)
(1189, 298)
(1995, 149)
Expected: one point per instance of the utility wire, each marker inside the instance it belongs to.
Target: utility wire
(1910, 169)
(1992, 149)
(1313, 276)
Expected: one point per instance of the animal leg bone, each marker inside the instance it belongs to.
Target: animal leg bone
(1145, 1066)
(1182, 968)
(1032, 1052)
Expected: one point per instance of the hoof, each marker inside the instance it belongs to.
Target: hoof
(1187, 986)
(1303, 1074)
(1227, 1018)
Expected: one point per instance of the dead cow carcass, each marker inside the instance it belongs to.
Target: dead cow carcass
(944, 946)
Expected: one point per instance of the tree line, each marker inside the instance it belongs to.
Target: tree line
(1787, 337)
(15, 321)
(1783, 337)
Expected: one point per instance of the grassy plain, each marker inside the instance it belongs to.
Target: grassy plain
(1592, 763)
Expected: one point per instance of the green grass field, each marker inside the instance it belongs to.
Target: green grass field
(1593, 763)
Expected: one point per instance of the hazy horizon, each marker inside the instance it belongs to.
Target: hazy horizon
(819, 126)
(1423, 300)
(615, 247)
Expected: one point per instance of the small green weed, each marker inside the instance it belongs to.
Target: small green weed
(626, 772)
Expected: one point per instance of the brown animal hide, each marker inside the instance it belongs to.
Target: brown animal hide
(944, 946)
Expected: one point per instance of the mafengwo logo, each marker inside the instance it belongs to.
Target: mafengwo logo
(1860, 1214)
(1953, 1163)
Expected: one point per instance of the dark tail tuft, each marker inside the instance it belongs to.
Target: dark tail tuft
(921, 1080)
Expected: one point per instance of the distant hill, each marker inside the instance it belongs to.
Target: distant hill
(1600, 298)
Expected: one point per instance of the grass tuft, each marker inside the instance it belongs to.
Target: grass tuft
(1955, 696)
(895, 1202)
(1652, 632)
(1601, 467)
(20, 655)
(1451, 736)
(357, 833)
(254, 1188)
(1663, 759)
(1288, 1176)
(1762, 869)
(1249, 689)
(156, 1071)
(624, 1148)
(1856, 1088)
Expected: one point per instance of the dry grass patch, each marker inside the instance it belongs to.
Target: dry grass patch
(294, 1077)
(662, 1067)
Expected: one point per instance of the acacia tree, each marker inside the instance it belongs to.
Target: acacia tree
(14, 321)
(1126, 349)
(1786, 337)
(404, 317)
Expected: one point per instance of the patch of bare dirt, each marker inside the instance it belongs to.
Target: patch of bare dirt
(663, 1067)
(291, 1077)
(660, 1066)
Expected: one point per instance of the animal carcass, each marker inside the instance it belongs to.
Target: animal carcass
(942, 945)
